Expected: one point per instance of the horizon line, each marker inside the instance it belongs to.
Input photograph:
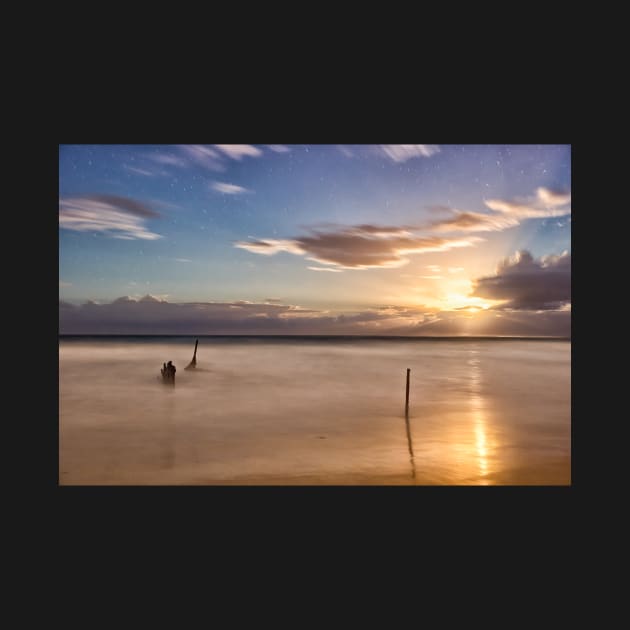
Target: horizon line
(446, 337)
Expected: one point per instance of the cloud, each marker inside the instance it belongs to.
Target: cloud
(229, 189)
(139, 171)
(154, 299)
(546, 203)
(269, 247)
(211, 157)
(524, 283)
(148, 298)
(182, 260)
(238, 151)
(344, 150)
(367, 246)
(125, 203)
(383, 230)
(64, 284)
(506, 213)
(168, 159)
(279, 148)
(324, 269)
(404, 152)
(118, 217)
(203, 156)
(475, 222)
(152, 315)
(358, 247)
(553, 198)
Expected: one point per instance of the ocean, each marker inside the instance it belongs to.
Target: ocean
(314, 411)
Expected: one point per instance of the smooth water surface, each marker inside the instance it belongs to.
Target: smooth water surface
(281, 411)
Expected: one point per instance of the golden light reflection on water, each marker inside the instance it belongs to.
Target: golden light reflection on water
(477, 405)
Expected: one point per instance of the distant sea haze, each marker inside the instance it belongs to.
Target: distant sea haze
(314, 410)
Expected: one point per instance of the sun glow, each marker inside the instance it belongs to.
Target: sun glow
(452, 295)
(460, 302)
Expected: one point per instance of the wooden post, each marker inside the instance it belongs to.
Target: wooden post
(407, 394)
(193, 363)
(408, 427)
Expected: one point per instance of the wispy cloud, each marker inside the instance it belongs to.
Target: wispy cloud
(239, 151)
(138, 171)
(167, 159)
(504, 214)
(368, 246)
(324, 269)
(553, 197)
(279, 148)
(117, 217)
(524, 283)
(269, 247)
(358, 247)
(183, 260)
(64, 284)
(126, 204)
(211, 157)
(546, 203)
(475, 222)
(203, 155)
(404, 152)
(229, 189)
(344, 150)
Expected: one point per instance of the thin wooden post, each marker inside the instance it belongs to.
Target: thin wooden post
(193, 363)
(408, 427)
(407, 394)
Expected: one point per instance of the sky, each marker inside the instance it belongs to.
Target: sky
(315, 239)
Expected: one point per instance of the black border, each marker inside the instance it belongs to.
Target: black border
(343, 511)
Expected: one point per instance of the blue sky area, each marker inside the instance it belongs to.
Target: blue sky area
(395, 236)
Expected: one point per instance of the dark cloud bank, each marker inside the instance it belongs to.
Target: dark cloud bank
(529, 284)
(145, 317)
